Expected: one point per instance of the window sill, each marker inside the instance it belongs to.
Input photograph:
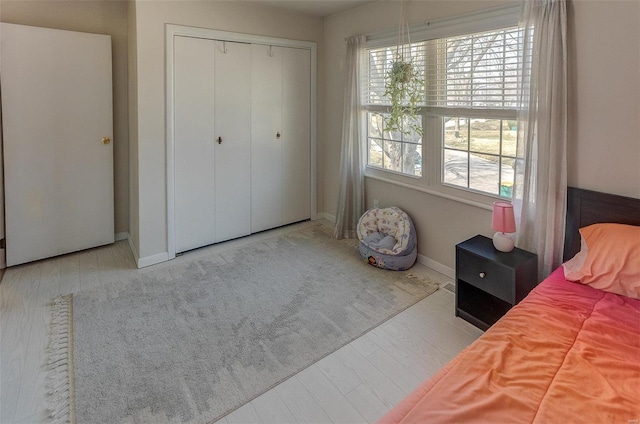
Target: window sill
(372, 170)
(431, 191)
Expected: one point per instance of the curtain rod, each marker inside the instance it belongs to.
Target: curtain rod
(449, 20)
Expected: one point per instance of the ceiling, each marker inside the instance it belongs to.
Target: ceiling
(318, 8)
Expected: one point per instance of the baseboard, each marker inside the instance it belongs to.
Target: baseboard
(121, 236)
(134, 250)
(437, 266)
(327, 216)
(146, 260)
(152, 260)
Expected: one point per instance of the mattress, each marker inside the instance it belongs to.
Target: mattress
(566, 353)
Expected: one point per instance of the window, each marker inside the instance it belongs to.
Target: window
(479, 154)
(467, 116)
(391, 150)
(394, 151)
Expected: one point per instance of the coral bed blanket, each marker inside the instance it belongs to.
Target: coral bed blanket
(566, 353)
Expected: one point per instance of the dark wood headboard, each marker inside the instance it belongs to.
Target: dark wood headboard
(586, 207)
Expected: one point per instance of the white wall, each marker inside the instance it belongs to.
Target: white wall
(151, 16)
(604, 96)
(604, 117)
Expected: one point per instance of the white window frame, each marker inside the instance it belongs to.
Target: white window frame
(432, 150)
(385, 109)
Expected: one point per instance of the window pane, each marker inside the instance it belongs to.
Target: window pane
(476, 70)
(379, 128)
(375, 152)
(455, 167)
(483, 168)
(484, 171)
(507, 177)
(485, 136)
(393, 155)
(455, 133)
(394, 150)
(380, 61)
(375, 124)
(509, 138)
(393, 135)
(412, 159)
(413, 126)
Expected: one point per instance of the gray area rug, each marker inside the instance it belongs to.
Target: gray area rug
(192, 341)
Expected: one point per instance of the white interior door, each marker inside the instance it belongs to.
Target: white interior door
(57, 107)
(232, 129)
(194, 133)
(266, 137)
(296, 133)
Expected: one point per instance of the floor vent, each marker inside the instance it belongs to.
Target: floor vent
(450, 287)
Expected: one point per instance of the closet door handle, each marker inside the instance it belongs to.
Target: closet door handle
(278, 135)
(219, 140)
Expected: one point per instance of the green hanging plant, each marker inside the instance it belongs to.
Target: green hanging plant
(403, 87)
(403, 84)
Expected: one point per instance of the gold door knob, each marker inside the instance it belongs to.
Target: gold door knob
(106, 140)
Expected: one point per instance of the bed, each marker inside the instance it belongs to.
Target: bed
(568, 352)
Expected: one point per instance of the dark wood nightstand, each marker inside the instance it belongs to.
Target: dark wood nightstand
(490, 282)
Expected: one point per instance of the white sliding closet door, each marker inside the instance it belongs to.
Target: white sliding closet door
(212, 150)
(57, 108)
(266, 137)
(296, 142)
(233, 153)
(194, 130)
(281, 136)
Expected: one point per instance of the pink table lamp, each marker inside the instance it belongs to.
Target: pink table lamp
(504, 223)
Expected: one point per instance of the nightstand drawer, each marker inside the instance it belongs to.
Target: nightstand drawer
(486, 275)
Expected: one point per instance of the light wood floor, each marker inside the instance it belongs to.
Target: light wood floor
(356, 384)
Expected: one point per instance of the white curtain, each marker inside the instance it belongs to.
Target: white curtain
(541, 178)
(352, 158)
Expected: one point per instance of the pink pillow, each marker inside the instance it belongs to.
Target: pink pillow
(609, 259)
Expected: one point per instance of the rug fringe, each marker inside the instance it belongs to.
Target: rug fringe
(59, 364)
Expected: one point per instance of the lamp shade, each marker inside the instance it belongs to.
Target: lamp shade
(503, 218)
